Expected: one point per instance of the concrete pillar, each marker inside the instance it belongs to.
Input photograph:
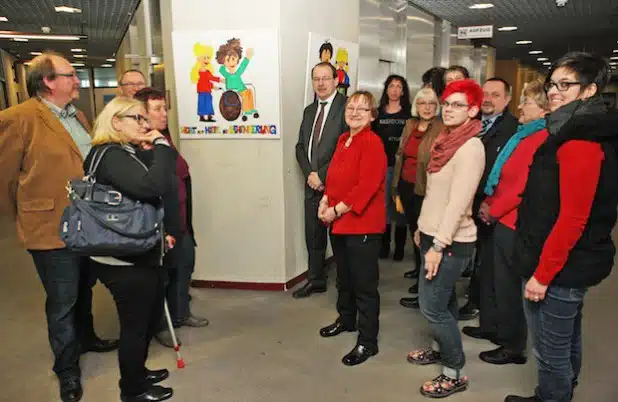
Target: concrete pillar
(248, 193)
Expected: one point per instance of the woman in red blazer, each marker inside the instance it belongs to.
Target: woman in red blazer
(505, 184)
(353, 205)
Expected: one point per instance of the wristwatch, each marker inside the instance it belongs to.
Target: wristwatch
(335, 210)
(437, 247)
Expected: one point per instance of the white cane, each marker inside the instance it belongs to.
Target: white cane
(180, 363)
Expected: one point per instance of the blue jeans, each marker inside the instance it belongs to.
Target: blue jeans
(438, 303)
(179, 263)
(68, 285)
(556, 329)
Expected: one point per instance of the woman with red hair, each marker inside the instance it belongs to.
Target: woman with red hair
(446, 232)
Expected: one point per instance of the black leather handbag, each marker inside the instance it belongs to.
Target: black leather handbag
(103, 222)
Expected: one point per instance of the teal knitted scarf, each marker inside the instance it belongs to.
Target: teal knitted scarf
(523, 131)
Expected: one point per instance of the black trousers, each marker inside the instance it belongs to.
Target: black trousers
(138, 291)
(68, 281)
(482, 256)
(358, 299)
(412, 204)
(502, 310)
(316, 238)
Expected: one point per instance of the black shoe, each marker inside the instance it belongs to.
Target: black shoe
(308, 290)
(409, 302)
(155, 393)
(475, 332)
(411, 274)
(335, 329)
(358, 355)
(502, 356)
(101, 346)
(156, 376)
(71, 390)
(468, 312)
(515, 398)
(413, 289)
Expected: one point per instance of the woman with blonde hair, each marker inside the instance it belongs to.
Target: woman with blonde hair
(202, 74)
(135, 282)
(409, 175)
(506, 182)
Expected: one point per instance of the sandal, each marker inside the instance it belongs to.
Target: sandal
(424, 357)
(443, 386)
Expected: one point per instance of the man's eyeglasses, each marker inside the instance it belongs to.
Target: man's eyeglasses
(561, 86)
(68, 75)
(454, 105)
(323, 79)
(361, 110)
(137, 117)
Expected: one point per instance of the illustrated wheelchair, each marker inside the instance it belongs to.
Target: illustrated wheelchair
(231, 104)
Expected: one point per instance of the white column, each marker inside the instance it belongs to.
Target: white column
(248, 194)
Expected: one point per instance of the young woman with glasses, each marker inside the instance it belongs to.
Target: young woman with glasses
(446, 232)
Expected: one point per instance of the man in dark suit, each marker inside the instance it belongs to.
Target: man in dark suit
(323, 123)
(498, 127)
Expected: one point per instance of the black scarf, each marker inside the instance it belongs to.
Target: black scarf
(556, 120)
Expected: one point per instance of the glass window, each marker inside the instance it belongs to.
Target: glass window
(105, 77)
(84, 78)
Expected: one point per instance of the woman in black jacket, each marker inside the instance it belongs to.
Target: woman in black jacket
(135, 282)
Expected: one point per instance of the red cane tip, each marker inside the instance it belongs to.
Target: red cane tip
(181, 364)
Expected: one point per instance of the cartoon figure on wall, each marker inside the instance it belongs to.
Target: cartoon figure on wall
(342, 71)
(326, 52)
(238, 97)
(202, 75)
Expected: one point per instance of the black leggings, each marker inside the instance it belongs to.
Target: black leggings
(138, 291)
(412, 204)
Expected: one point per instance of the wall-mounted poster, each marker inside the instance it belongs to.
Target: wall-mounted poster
(227, 84)
(341, 54)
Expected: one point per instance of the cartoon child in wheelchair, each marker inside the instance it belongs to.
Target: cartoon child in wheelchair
(239, 97)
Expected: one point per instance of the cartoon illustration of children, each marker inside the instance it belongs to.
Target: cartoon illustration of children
(202, 74)
(326, 52)
(342, 71)
(229, 56)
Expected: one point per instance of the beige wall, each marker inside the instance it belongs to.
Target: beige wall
(248, 194)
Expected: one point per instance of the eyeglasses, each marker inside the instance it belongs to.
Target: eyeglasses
(361, 110)
(323, 79)
(132, 84)
(137, 117)
(68, 75)
(454, 105)
(423, 103)
(561, 86)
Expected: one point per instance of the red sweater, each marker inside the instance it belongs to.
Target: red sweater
(507, 195)
(356, 176)
(410, 156)
(204, 84)
(580, 168)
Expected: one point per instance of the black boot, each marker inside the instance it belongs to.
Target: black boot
(385, 249)
(400, 242)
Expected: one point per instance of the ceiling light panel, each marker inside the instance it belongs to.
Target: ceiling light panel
(480, 6)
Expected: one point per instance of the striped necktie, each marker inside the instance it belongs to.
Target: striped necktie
(485, 127)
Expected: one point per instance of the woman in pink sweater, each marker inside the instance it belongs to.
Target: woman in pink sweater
(446, 232)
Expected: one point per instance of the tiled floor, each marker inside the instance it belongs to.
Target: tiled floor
(264, 346)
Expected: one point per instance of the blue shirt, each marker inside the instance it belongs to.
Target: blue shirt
(68, 118)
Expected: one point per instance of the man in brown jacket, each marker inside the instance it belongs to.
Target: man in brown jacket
(42, 145)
